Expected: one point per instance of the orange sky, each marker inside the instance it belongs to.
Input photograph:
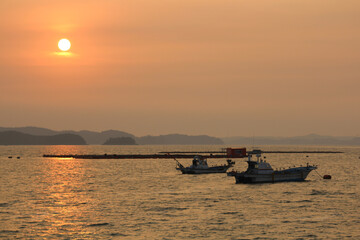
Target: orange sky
(222, 68)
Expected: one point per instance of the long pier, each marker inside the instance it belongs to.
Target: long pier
(170, 155)
(301, 152)
(133, 156)
(260, 151)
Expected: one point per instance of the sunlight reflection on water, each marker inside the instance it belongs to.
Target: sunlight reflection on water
(131, 199)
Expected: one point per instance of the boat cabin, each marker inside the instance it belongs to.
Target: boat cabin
(199, 162)
(259, 166)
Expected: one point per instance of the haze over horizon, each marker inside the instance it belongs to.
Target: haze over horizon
(220, 68)
(172, 133)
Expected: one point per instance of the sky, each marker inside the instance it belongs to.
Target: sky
(217, 67)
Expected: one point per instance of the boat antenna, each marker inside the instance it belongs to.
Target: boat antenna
(253, 141)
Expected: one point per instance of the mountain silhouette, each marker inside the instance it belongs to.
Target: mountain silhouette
(120, 141)
(179, 139)
(310, 139)
(90, 137)
(18, 138)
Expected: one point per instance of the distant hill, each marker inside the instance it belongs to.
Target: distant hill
(179, 139)
(120, 141)
(18, 138)
(99, 138)
(31, 130)
(311, 139)
(90, 137)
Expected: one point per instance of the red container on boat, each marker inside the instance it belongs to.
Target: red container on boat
(236, 152)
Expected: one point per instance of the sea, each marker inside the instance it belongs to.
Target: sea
(65, 198)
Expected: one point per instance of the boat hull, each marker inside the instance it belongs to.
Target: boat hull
(298, 174)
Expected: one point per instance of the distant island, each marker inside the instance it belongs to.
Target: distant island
(120, 141)
(310, 139)
(179, 139)
(18, 138)
(44, 136)
(91, 137)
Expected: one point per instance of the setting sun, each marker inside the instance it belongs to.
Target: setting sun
(64, 44)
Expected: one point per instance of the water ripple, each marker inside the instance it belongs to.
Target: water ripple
(148, 199)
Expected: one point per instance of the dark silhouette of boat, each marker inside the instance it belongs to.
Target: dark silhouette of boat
(200, 166)
(260, 171)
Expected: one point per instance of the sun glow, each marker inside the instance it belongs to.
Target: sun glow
(64, 44)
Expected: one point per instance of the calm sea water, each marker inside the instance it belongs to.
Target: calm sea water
(49, 198)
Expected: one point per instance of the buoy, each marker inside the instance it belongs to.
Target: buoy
(327, 177)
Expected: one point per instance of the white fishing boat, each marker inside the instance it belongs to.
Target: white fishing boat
(200, 166)
(260, 171)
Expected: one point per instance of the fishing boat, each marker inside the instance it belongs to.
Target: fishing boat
(260, 171)
(200, 166)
